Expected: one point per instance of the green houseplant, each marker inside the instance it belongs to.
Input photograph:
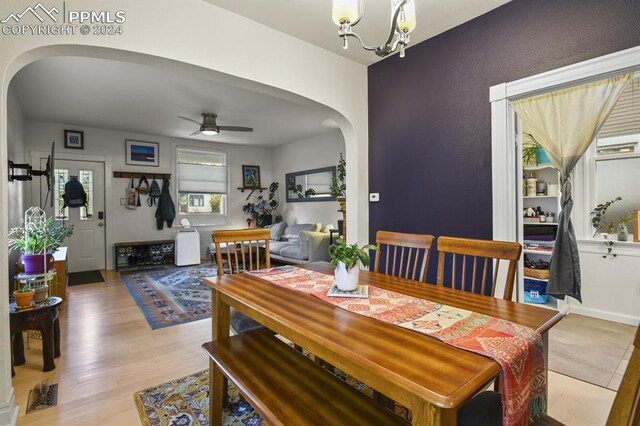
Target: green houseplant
(345, 260)
(623, 233)
(532, 151)
(43, 235)
(260, 208)
(598, 219)
(24, 296)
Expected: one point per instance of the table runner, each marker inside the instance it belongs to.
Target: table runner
(517, 348)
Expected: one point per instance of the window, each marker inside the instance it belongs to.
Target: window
(612, 164)
(60, 178)
(202, 182)
(86, 179)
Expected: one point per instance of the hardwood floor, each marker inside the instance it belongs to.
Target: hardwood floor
(109, 352)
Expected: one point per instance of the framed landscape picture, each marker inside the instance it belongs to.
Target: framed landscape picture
(74, 139)
(251, 176)
(141, 153)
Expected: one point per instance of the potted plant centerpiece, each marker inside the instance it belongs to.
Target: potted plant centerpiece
(37, 240)
(346, 260)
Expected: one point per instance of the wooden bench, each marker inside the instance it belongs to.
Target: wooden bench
(285, 387)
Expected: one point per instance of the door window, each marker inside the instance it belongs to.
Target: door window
(86, 178)
(61, 177)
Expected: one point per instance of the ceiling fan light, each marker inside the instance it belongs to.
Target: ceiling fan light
(345, 11)
(209, 132)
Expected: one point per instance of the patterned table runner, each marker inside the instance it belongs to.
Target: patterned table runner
(518, 349)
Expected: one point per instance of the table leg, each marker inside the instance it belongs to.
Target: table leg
(217, 381)
(47, 347)
(427, 414)
(56, 338)
(18, 349)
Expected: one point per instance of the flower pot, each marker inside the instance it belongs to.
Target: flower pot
(541, 156)
(41, 294)
(623, 233)
(34, 263)
(342, 201)
(347, 280)
(23, 298)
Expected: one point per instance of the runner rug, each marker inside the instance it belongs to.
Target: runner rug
(518, 349)
(172, 296)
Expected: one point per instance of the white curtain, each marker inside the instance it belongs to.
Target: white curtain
(565, 123)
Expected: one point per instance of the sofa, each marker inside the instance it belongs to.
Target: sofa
(301, 243)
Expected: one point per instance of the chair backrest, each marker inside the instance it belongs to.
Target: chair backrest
(403, 255)
(242, 249)
(626, 406)
(484, 250)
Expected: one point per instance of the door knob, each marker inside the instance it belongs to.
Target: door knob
(100, 224)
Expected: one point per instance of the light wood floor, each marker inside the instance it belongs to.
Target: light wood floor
(109, 352)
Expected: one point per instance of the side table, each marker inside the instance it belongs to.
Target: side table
(42, 317)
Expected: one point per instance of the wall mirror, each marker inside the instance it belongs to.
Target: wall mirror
(310, 185)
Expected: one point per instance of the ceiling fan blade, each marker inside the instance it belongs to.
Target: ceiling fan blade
(236, 128)
(188, 119)
(197, 132)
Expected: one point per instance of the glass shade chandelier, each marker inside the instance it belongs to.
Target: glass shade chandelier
(347, 14)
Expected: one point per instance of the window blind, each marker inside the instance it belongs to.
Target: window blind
(202, 171)
(625, 117)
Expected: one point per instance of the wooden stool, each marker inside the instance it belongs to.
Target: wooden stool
(42, 317)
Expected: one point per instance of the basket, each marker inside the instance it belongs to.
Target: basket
(542, 274)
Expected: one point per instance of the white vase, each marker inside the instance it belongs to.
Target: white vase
(347, 280)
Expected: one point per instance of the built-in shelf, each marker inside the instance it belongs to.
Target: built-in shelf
(540, 196)
(532, 251)
(251, 189)
(538, 167)
(539, 223)
(546, 280)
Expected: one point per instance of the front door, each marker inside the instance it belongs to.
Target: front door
(87, 244)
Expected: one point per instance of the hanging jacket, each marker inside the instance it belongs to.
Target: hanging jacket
(166, 209)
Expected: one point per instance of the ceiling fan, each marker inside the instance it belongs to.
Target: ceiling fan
(209, 127)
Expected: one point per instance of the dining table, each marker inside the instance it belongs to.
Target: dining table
(429, 377)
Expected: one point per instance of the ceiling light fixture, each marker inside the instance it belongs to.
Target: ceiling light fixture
(347, 14)
(209, 132)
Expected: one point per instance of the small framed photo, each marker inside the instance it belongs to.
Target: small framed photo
(251, 177)
(141, 153)
(74, 139)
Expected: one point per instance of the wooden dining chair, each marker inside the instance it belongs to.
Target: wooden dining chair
(475, 257)
(403, 255)
(486, 407)
(241, 250)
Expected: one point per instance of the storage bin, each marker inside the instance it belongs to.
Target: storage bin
(536, 273)
(535, 291)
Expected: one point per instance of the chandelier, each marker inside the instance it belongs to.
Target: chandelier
(347, 14)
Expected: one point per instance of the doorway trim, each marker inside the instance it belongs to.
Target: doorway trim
(108, 193)
(504, 176)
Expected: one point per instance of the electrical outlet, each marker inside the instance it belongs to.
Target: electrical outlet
(374, 197)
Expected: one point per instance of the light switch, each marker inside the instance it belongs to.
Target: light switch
(374, 197)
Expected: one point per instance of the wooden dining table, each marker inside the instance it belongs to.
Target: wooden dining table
(427, 376)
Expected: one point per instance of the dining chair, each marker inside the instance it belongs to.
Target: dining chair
(241, 250)
(487, 406)
(403, 255)
(478, 255)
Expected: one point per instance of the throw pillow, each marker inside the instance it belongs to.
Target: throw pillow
(291, 232)
(326, 228)
(276, 230)
(316, 227)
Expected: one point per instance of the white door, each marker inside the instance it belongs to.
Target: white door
(87, 244)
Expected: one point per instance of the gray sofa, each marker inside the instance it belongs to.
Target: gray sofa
(295, 244)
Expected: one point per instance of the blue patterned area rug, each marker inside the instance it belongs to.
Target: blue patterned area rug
(172, 296)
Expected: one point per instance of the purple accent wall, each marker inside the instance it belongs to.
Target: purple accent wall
(430, 116)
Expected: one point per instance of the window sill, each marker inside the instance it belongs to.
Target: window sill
(624, 248)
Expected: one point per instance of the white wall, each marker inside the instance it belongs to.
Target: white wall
(313, 153)
(140, 224)
(15, 153)
(170, 34)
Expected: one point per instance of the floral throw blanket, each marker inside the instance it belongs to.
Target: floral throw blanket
(518, 349)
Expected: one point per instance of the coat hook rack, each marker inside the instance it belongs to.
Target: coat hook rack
(138, 175)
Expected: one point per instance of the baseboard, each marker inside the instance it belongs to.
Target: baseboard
(605, 315)
(9, 411)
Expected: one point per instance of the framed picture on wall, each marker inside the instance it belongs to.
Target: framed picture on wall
(251, 177)
(141, 153)
(74, 139)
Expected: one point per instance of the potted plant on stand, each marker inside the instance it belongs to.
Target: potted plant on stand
(346, 260)
(24, 296)
(37, 239)
(261, 209)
